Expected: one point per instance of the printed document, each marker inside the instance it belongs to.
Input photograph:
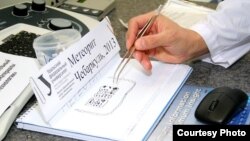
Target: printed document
(14, 78)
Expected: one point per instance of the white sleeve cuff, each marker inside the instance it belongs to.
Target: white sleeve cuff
(218, 55)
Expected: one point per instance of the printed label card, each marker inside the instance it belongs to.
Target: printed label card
(66, 75)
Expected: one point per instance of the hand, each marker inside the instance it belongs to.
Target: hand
(166, 41)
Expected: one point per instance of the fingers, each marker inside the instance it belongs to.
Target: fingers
(151, 41)
(165, 41)
(133, 28)
(143, 59)
(134, 25)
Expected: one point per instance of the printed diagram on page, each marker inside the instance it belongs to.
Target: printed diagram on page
(105, 97)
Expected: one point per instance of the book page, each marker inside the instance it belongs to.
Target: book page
(131, 108)
(128, 108)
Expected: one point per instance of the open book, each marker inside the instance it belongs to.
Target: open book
(78, 99)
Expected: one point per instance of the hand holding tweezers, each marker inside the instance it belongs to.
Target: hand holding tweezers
(131, 50)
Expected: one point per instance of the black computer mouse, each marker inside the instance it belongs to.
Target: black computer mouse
(220, 105)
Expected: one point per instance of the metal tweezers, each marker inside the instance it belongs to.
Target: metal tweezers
(131, 50)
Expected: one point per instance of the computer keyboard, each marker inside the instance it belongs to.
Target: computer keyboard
(20, 44)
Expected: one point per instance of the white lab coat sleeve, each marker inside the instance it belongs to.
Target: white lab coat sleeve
(226, 32)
